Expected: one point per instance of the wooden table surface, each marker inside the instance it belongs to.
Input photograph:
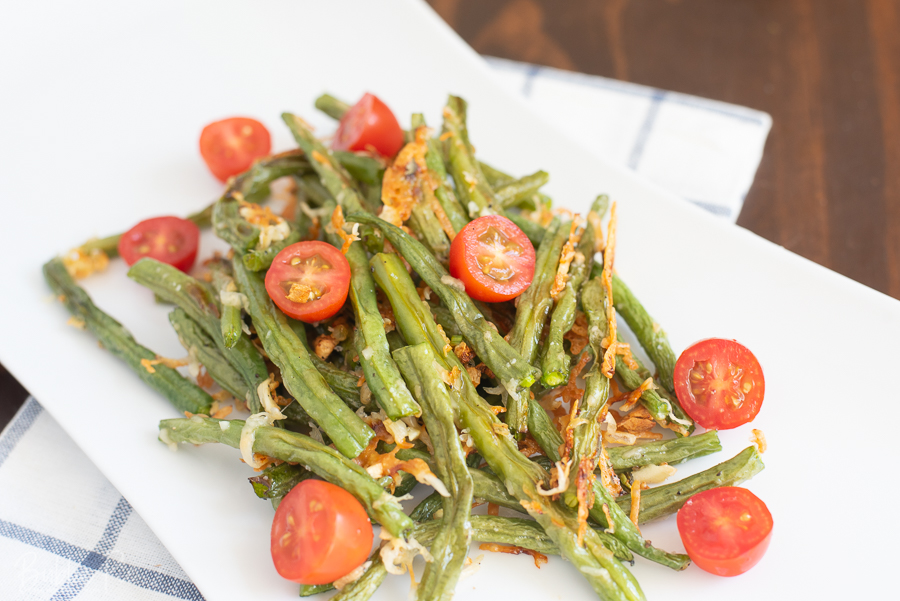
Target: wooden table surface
(828, 71)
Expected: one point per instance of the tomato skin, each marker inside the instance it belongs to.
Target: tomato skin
(369, 124)
(313, 263)
(230, 146)
(486, 238)
(725, 530)
(171, 240)
(726, 395)
(320, 533)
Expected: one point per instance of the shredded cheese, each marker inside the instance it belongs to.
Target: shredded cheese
(454, 283)
(636, 487)
(759, 439)
(338, 223)
(268, 403)
(234, 299)
(397, 554)
(654, 474)
(248, 437)
(352, 576)
(561, 473)
(81, 264)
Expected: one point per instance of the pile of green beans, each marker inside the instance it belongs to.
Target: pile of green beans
(441, 365)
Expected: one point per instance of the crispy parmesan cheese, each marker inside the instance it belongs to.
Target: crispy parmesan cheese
(78, 324)
(248, 437)
(759, 439)
(560, 475)
(539, 558)
(471, 566)
(272, 227)
(234, 299)
(397, 554)
(464, 353)
(475, 376)
(608, 476)
(80, 264)
(407, 180)
(352, 576)
(337, 225)
(301, 292)
(609, 520)
(578, 335)
(148, 365)
(633, 397)
(324, 345)
(265, 397)
(566, 256)
(167, 440)
(636, 488)
(654, 474)
(451, 281)
(609, 358)
(531, 506)
(218, 411)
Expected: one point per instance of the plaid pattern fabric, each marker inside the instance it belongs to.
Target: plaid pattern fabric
(66, 533)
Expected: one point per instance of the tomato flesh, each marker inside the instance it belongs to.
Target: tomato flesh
(726, 530)
(369, 125)
(170, 240)
(320, 533)
(309, 281)
(230, 146)
(719, 383)
(493, 258)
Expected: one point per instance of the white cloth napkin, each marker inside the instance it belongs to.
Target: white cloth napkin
(65, 532)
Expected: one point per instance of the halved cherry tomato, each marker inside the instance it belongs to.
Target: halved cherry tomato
(309, 281)
(320, 533)
(493, 258)
(725, 530)
(369, 124)
(719, 383)
(172, 240)
(230, 146)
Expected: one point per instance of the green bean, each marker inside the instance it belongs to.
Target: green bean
(310, 186)
(670, 451)
(362, 168)
(184, 394)
(348, 432)
(549, 439)
(455, 212)
(495, 178)
(522, 477)
(664, 500)
(426, 226)
(522, 190)
(427, 507)
(230, 321)
(331, 106)
(292, 447)
(451, 544)
(368, 583)
(199, 302)
(203, 350)
(506, 363)
(652, 338)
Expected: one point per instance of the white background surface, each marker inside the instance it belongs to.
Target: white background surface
(102, 104)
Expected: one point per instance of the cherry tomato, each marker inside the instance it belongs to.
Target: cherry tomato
(493, 258)
(172, 240)
(369, 124)
(719, 383)
(320, 533)
(309, 281)
(230, 146)
(725, 530)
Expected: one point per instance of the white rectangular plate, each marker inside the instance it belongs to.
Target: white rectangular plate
(102, 106)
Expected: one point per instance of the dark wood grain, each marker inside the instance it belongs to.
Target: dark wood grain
(828, 187)
(828, 71)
